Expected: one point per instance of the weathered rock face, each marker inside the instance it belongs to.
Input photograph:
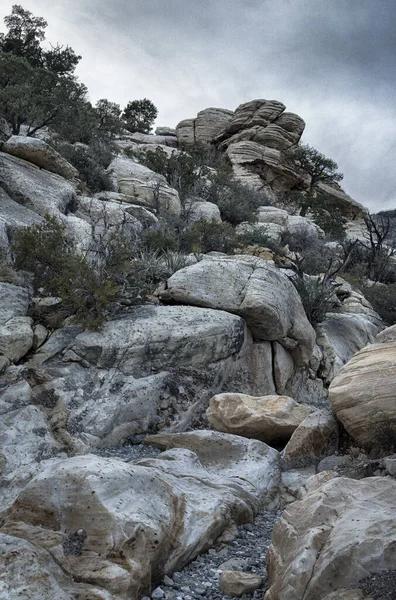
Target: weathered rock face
(262, 168)
(13, 216)
(208, 124)
(250, 114)
(333, 539)
(340, 336)
(28, 571)
(315, 437)
(143, 186)
(109, 217)
(112, 527)
(36, 189)
(212, 335)
(41, 154)
(363, 396)
(160, 365)
(261, 294)
(16, 334)
(271, 419)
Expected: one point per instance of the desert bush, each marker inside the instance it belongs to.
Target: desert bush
(58, 270)
(258, 236)
(317, 296)
(161, 237)
(209, 236)
(238, 203)
(313, 255)
(90, 163)
(383, 299)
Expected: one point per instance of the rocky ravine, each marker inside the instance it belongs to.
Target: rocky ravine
(224, 378)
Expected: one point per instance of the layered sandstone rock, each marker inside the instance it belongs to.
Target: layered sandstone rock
(333, 539)
(270, 419)
(363, 396)
(143, 186)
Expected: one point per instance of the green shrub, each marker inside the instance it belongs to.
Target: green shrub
(89, 163)
(238, 203)
(209, 236)
(317, 296)
(161, 237)
(383, 299)
(59, 271)
(258, 236)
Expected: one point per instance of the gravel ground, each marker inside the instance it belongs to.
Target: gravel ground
(199, 579)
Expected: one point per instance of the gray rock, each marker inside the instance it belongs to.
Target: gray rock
(34, 188)
(247, 286)
(39, 153)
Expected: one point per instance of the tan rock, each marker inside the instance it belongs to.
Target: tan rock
(237, 583)
(315, 437)
(252, 113)
(363, 396)
(387, 335)
(271, 419)
(333, 539)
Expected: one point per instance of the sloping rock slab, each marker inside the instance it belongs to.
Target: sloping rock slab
(41, 154)
(121, 527)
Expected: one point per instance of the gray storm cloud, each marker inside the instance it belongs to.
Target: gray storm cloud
(331, 61)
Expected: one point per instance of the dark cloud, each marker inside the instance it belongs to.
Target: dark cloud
(331, 61)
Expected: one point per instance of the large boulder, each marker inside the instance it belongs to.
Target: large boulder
(41, 154)
(208, 124)
(143, 186)
(363, 396)
(155, 337)
(262, 168)
(315, 437)
(121, 527)
(281, 134)
(250, 114)
(348, 206)
(158, 366)
(249, 287)
(36, 189)
(340, 336)
(333, 539)
(270, 419)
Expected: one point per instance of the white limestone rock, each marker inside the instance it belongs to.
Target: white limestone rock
(35, 189)
(41, 154)
(147, 188)
(249, 287)
(91, 512)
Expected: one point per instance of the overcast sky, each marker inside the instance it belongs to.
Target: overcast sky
(333, 62)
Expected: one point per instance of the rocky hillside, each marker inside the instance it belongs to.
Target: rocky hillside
(185, 349)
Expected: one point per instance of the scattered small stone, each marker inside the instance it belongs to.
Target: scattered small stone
(158, 594)
(168, 581)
